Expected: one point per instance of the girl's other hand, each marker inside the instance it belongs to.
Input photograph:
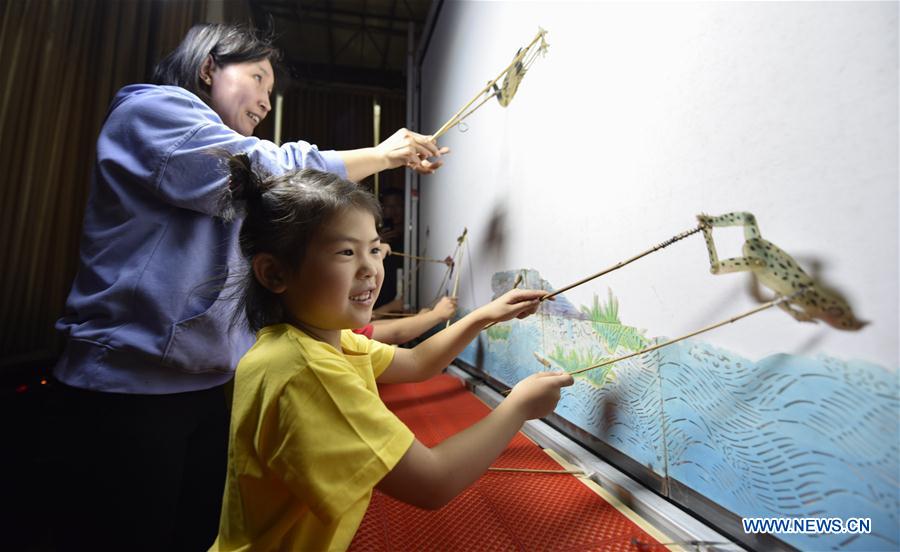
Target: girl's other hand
(536, 396)
(446, 308)
(515, 303)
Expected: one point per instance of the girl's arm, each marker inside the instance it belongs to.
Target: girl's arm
(404, 147)
(428, 358)
(401, 330)
(429, 478)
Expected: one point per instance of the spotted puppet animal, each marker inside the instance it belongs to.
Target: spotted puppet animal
(778, 271)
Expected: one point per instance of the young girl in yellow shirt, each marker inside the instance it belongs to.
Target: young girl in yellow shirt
(310, 437)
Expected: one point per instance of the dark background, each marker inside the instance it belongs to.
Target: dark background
(61, 63)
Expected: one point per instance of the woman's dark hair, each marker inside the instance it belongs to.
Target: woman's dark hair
(282, 214)
(226, 44)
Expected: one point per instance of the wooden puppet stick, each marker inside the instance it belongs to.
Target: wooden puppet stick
(463, 117)
(445, 281)
(540, 359)
(516, 283)
(419, 258)
(458, 263)
(617, 266)
(455, 119)
(529, 470)
(760, 308)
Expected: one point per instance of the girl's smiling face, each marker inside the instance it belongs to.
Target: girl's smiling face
(340, 276)
(240, 92)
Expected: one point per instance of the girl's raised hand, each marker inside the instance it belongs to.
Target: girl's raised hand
(515, 303)
(536, 396)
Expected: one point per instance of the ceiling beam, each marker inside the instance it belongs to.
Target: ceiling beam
(347, 25)
(285, 8)
(387, 39)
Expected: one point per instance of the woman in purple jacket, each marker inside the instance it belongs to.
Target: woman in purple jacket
(143, 420)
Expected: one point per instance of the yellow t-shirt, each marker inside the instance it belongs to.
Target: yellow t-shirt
(309, 440)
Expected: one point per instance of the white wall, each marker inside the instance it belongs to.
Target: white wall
(643, 115)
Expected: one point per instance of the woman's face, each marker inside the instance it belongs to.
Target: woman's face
(240, 93)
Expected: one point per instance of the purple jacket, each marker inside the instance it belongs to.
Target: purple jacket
(147, 312)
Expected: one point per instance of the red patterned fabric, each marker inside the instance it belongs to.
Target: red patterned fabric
(502, 510)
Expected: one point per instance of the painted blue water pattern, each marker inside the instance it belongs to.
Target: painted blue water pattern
(782, 436)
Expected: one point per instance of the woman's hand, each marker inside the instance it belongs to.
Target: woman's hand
(412, 149)
(516, 303)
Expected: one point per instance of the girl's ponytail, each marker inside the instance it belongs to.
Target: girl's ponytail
(244, 184)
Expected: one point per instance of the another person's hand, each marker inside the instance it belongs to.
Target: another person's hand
(385, 249)
(412, 149)
(536, 396)
(446, 307)
(515, 303)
